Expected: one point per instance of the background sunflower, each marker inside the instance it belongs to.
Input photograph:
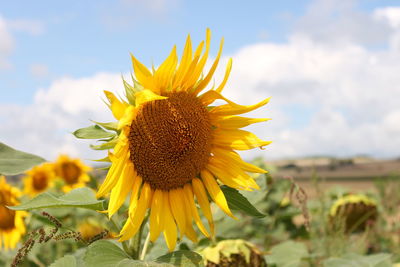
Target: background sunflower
(39, 179)
(12, 225)
(73, 172)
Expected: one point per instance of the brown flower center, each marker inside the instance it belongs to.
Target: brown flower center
(70, 172)
(170, 140)
(7, 216)
(40, 181)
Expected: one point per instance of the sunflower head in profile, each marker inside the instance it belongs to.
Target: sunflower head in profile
(39, 179)
(12, 225)
(356, 211)
(174, 149)
(73, 172)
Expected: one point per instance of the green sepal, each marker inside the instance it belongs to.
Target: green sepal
(92, 132)
(107, 145)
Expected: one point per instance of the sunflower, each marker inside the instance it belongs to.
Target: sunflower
(174, 149)
(72, 171)
(12, 225)
(39, 179)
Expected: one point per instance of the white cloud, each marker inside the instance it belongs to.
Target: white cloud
(39, 70)
(6, 44)
(45, 127)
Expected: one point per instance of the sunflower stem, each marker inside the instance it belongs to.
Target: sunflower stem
(145, 246)
(135, 242)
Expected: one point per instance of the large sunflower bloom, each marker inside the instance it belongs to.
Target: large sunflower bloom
(39, 179)
(174, 147)
(72, 171)
(12, 225)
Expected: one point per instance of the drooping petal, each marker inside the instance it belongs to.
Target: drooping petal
(170, 232)
(176, 201)
(156, 220)
(189, 198)
(113, 174)
(215, 192)
(202, 199)
(221, 172)
(121, 189)
(136, 217)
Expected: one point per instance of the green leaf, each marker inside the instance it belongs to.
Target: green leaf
(66, 261)
(92, 132)
(79, 198)
(237, 201)
(104, 253)
(182, 258)
(287, 254)
(135, 263)
(14, 162)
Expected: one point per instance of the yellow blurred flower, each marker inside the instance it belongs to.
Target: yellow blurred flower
(12, 225)
(72, 171)
(174, 147)
(39, 179)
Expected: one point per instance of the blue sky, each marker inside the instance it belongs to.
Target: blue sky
(49, 43)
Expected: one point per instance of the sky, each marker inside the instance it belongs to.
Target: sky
(330, 67)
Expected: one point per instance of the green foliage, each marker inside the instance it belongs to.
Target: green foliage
(92, 132)
(14, 162)
(237, 201)
(182, 258)
(66, 261)
(288, 254)
(78, 198)
(354, 260)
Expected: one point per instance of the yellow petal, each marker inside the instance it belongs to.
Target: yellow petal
(220, 171)
(215, 192)
(163, 75)
(227, 72)
(208, 77)
(238, 139)
(135, 192)
(202, 199)
(233, 175)
(117, 107)
(236, 159)
(121, 189)
(184, 64)
(156, 220)
(176, 201)
(200, 66)
(137, 216)
(113, 175)
(234, 122)
(234, 109)
(143, 75)
(170, 232)
(189, 198)
(147, 95)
